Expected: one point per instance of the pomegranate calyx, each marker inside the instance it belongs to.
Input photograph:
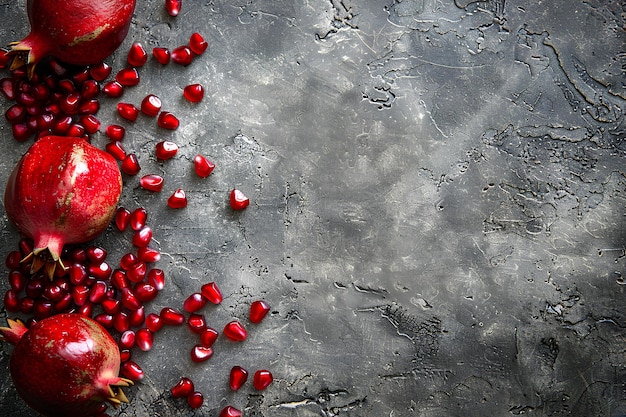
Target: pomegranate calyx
(43, 258)
(14, 332)
(116, 395)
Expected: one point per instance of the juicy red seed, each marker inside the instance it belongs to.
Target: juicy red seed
(115, 132)
(12, 301)
(128, 111)
(238, 200)
(101, 71)
(142, 237)
(137, 317)
(138, 218)
(7, 87)
(45, 122)
(197, 44)
(27, 305)
(235, 331)
(17, 280)
(106, 320)
(178, 199)
(101, 271)
(81, 76)
(172, 317)
(144, 339)
(77, 273)
(119, 279)
(66, 85)
(89, 106)
(86, 309)
(151, 105)
(152, 182)
(130, 164)
(208, 336)
(26, 99)
(183, 388)
(125, 355)
(76, 131)
(211, 292)
(113, 89)
(96, 254)
(127, 77)
(148, 254)
(42, 309)
(34, 288)
(262, 379)
(21, 132)
(79, 294)
(162, 55)
(116, 150)
(194, 302)
(127, 340)
(132, 371)
(111, 306)
(69, 104)
(156, 278)
(53, 292)
(98, 292)
(154, 322)
(194, 93)
(201, 353)
(202, 166)
(122, 218)
(182, 55)
(121, 322)
(173, 7)
(137, 55)
(167, 120)
(258, 310)
(13, 260)
(196, 323)
(127, 261)
(91, 123)
(145, 292)
(166, 150)
(137, 272)
(238, 377)
(62, 125)
(63, 305)
(90, 89)
(230, 411)
(129, 300)
(195, 400)
(16, 113)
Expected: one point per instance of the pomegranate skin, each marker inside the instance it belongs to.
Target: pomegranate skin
(80, 32)
(63, 190)
(66, 365)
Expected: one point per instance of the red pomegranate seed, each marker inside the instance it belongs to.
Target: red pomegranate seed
(238, 200)
(25, 246)
(45, 122)
(79, 294)
(137, 272)
(197, 44)
(127, 340)
(138, 218)
(208, 336)
(201, 353)
(101, 271)
(7, 87)
(154, 322)
(12, 301)
(166, 150)
(238, 377)
(106, 320)
(119, 279)
(96, 254)
(137, 318)
(113, 89)
(89, 106)
(52, 292)
(122, 218)
(144, 339)
(195, 399)
(69, 104)
(16, 113)
(194, 93)
(127, 261)
(258, 310)
(178, 199)
(91, 123)
(151, 105)
(115, 132)
(194, 302)
(156, 278)
(148, 254)
(128, 111)
(173, 7)
(183, 388)
(196, 323)
(101, 71)
(62, 125)
(142, 237)
(202, 166)
(90, 89)
(211, 292)
(182, 55)
(20, 132)
(98, 292)
(116, 150)
(132, 371)
(125, 356)
(230, 411)
(111, 306)
(172, 317)
(167, 120)
(145, 292)
(86, 309)
(66, 85)
(152, 182)
(162, 55)
(262, 379)
(42, 309)
(129, 300)
(127, 77)
(17, 280)
(13, 260)
(137, 55)
(235, 331)
(130, 164)
(75, 131)
(121, 322)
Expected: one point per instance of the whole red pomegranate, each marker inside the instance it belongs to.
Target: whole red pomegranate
(63, 190)
(66, 365)
(80, 32)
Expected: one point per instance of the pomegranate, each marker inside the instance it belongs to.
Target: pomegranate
(65, 365)
(79, 32)
(63, 190)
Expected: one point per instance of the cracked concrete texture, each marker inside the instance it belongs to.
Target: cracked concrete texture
(437, 207)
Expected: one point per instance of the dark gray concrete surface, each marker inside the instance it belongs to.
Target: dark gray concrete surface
(437, 214)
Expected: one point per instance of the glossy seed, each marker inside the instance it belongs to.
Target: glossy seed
(137, 55)
(194, 303)
(116, 150)
(167, 120)
(235, 331)
(148, 254)
(201, 353)
(172, 317)
(238, 200)
(128, 111)
(182, 55)
(162, 55)
(238, 377)
(183, 388)
(165, 150)
(144, 339)
(197, 44)
(195, 399)
(196, 323)
(173, 7)
(202, 166)
(113, 89)
(130, 164)
(154, 322)
(230, 411)
(132, 371)
(127, 77)
(208, 337)
(151, 105)
(194, 93)
(258, 310)
(178, 199)
(211, 292)
(115, 132)
(138, 218)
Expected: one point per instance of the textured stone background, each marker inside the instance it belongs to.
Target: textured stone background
(437, 212)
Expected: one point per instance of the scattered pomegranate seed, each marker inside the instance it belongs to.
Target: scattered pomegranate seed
(129, 300)
(211, 292)
(115, 132)
(122, 217)
(121, 322)
(113, 89)
(145, 292)
(111, 306)
(167, 120)
(196, 323)
(130, 164)
(201, 353)
(148, 254)
(154, 322)
(106, 320)
(183, 388)
(166, 150)
(101, 71)
(127, 77)
(258, 310)
(197, 44)
(96, 254)
(202, 166)
(137, 55)
(208, 336)
(116, 150)
(156, 278)
(194, 303)
(151, 105)
(238, 200)
(182, 55)
(178, 199)
(230, 411)
(173, 7)
(144, 339)
(238, 377)
(127, 340)
(195, 399)
(235, 331)
(262, 379)
(132, 371)
(128, 111)
(137, 272)
(138, 218)
(194, 93)
(172, 317)
(127, 261)
(125, 355)
(91, 123)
